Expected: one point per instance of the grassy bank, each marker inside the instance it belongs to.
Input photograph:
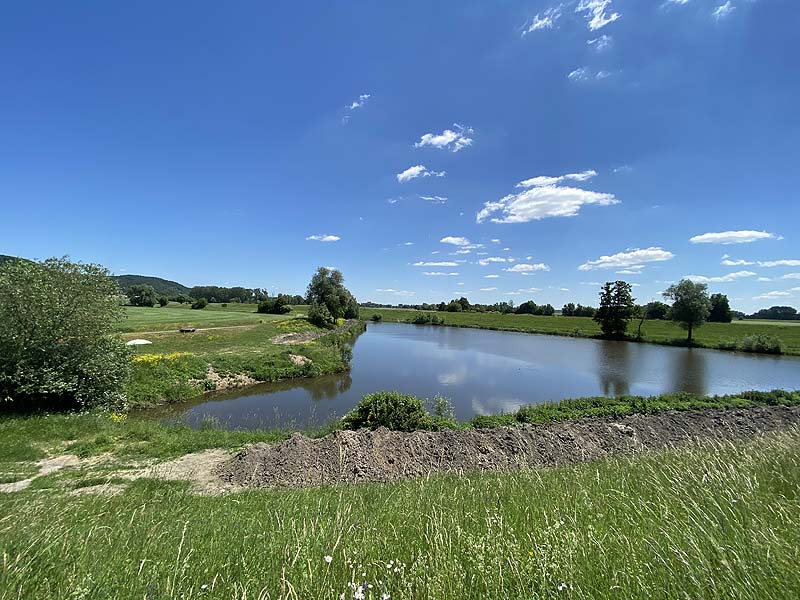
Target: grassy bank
(720, 520)
(177, 366)
(723, 336)
(174, 316)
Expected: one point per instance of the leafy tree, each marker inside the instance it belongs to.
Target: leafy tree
(327, 287)
(455, 306)
(465, 305)
(779, 313)
(656, 310)
(690, 304)
(274, 306)
(616, 308)
(142, 295)
(199, 304)
(163, 300)
(568, 310)
(57, 346)
(182, 298)
(720, 309)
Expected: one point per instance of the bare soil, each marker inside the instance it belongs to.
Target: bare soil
(308, 336)
(383, 455)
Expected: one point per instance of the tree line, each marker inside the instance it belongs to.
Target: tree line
(200, 296)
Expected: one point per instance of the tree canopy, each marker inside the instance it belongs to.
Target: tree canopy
(327, 288)
(616, 308)
(690, 304)
(56, 342)
(720, 309)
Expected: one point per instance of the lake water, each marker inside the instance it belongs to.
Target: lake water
(486, 372)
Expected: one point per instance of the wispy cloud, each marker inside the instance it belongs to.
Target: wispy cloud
(721, 278)
(439, 274)
(441, 263)
(744, 236)
(323, 238)
(491, 276)
(784, 262)
(489, 289)
(418, 171)
(434, 199)
(455, 240)
(544, 20)
(452, 140)
(525, 268)
(362, 100)
(395, 292)
(596, 13)
(543, 198)
(495, 259)
(634, 258)
(723, 10)
(601, 43)
(774, 295)
(584, 74)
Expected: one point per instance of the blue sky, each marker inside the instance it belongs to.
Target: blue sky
(499, 150)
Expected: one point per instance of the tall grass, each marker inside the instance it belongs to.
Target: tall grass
(718, 521)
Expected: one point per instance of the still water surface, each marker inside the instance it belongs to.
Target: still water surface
(485, 372)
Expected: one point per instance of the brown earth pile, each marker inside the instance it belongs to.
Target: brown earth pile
(383, 455)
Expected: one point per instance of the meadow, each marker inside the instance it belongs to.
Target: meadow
(711, 335)
(718, 520)
(174, 315)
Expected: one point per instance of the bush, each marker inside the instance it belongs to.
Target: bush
(377, 317)
(320, 316)
(274, 306)
(426, 319)
(199, 304)
(393, 410)
(764, 344)
(163, 300)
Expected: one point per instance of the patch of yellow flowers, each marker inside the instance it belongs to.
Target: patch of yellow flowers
(118, 417)
(151, 359)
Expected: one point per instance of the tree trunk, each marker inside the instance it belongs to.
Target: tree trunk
(689, 339)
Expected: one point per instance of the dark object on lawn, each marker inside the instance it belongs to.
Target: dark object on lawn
(187, 329)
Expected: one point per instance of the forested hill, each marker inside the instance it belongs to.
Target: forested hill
(163, 287)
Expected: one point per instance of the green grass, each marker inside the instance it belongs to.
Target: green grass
(710, 335)
(173, 316)
(245, 350)
(720, 521)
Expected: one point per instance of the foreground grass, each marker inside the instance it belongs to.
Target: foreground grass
(723, 336)
(720, 520)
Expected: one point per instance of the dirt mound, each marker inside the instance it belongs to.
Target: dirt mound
(383, 455)
(308, 336)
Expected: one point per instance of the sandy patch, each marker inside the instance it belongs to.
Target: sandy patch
(46, 467)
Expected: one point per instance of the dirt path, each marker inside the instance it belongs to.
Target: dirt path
(300, 338)
(383, 455)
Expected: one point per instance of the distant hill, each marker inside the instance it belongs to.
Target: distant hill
(163, 287)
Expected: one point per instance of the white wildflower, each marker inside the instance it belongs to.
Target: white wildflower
(328, 558)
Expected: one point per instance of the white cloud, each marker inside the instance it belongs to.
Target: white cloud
(489, 289)
(527, 268)
(544, 20)
(737, 263)
(629, 272)
(586, 74)
(723, 10)
(408, 243)
(455, 241)
(439, 274)
(452, 140)
(635, 258)
(463, 251)
(681, 2)
(595, 13)
(491, 276)
(744, 236)
(441, 263)
(395, 292)
(779, 263)
(601, 43)
(543, 198)
(362, 100)
(791, 276)
(418, 171)
(434, 199)
(722, 278)
(495, 259)
(323, 238)
(773, 295)
(495, 241)
(764, 279)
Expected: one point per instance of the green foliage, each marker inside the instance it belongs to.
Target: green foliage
(199, 304)
(163, 301)
(376, 317)
(778, 313)
(319, 315)
(162, 287)
(56, 343)
(690, 304)
(327, 288)
(764, 344)
(141, 295)
(454, 306)
(616, 308)
(426, 319)
(393, 410)
(274, 306)
(656, 310)
(720, 309)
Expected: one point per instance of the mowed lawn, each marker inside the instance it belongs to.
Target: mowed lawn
(710, 334)
(173, 316)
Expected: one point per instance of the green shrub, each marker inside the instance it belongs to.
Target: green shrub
(762, 343)
(426, 319)
(319, 315)
(274, 306)
(377, 317)
(199, 304)
(393, 410)
(163, 300)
